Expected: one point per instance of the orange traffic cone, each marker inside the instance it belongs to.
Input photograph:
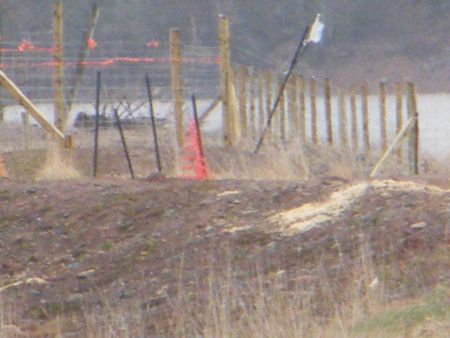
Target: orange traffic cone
(3, 172)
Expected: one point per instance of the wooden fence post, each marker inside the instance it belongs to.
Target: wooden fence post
(242, 93)
(355, 141)
(328, 112)
(58, 24)
(313, 93)
(399, 116)
(2, 107)
(26, 129)
(413, 139)
(292, 108)
(177, 85)
(342, 120)
(302, 101)
(383, 132)
(365, 117)
(261, 110)
(268, 103)
(229, 109)
(282, 118)
(252, 107)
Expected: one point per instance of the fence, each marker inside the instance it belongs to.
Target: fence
(310, 110)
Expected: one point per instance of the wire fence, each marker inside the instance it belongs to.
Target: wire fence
(30, 64)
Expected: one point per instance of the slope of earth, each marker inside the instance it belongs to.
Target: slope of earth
(68, 247)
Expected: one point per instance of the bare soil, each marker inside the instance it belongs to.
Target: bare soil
(74, 245)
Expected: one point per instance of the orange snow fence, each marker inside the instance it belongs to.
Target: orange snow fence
(194, 158)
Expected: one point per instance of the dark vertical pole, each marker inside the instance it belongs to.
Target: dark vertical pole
(197, 126)
(124, 144)
(97, 120)
(152, 118)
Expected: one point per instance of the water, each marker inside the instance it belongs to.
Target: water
(433, 109)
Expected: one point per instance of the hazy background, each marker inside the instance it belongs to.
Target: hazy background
(364, 39)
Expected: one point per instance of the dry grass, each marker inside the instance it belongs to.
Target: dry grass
(58, 166)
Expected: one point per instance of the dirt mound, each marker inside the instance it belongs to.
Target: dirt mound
(68, 247)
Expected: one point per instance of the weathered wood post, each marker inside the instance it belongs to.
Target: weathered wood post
(302, 101)
(383, 132)
(399, 117)
(313, 93)
(261, 110)
(355, 143)
(58, 26)
(2, 106)
(365, 117)
(413, 139)
(177, 84)
(242, 80)
(328, 111)
(292, 108)
(26, 129)
(282, 118)
(229, 109)
(252, 106)
(268, 96)
(342, 120)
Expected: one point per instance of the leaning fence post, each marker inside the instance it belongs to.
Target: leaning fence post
(328, 112)
(282, 118)
(383, 132)
(60, 118)
(313, 93)
(177, 85)
(302, 101)
(97, 122)
(399, 116)
(252, 106)
(261, 111)
(268, 96)
(413, 139)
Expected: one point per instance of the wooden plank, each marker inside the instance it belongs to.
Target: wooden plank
(177, 85)
(21, 99)
(242, 93)
(409, 125)
(261, 110)
(282, 117)
(252, 105)
(268, 97)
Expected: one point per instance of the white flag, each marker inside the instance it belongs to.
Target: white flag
(315, 33)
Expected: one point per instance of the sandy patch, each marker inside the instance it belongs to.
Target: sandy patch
(311, 215)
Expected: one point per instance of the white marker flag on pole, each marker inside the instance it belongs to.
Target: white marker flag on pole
(315, 33)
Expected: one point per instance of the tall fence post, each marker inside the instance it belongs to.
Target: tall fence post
(177, 85)
(328, 112)
(292, 108)
(355, 143)
(261, 110)
(413, 139)
(227, 88)
(383, 132)
(242, 93)
(282, 118)
(252, 106)
(313, 94)
(365, 117)
(58, 22)
(399, 117)
(342, 120)
(302, 101)
(268, 96)
(2, 107)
